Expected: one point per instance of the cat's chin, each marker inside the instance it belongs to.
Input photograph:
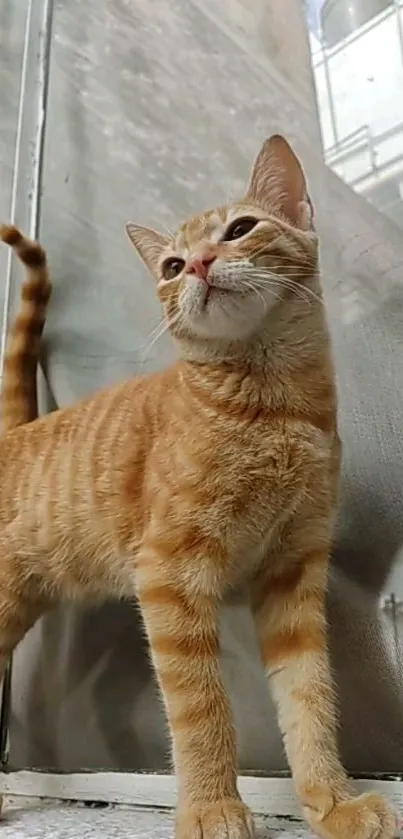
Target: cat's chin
(222, 309)
(221, 320)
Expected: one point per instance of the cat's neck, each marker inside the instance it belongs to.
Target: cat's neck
(277, 369)
(293, 333)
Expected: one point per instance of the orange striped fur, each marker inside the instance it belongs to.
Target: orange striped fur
(218, 473)
(19, 391)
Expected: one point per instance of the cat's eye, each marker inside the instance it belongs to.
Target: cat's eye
(172, 268)
(239, 228)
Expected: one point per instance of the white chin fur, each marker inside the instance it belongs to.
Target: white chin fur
(233, 313)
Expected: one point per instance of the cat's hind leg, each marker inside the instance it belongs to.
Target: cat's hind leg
(23, 597)
(21, 604)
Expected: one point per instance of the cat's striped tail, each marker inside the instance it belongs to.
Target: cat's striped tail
(19, 398)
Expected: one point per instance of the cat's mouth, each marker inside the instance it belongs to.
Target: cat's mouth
(211, 290)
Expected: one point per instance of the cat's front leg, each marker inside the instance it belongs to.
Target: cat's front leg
(291, 621)
(182, 628)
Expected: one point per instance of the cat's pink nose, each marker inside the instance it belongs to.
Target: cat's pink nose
(200, 265)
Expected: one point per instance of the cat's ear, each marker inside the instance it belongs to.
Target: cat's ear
(278, 183)
(149, 245)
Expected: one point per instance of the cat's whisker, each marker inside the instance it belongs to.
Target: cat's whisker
(152, 343)
(304, 261)
(300, 289)
(154, 331)
(258, 291)
(303, 269)
(162, 327)
(276, 282)
(286, 280)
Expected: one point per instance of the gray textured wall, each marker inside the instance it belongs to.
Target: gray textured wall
(158, 109)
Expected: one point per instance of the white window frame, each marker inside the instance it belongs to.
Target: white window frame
(272, 796)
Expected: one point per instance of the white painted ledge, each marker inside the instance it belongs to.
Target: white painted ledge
(267, 796)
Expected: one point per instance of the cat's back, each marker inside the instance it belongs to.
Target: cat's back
(72, 485)
(66, 455)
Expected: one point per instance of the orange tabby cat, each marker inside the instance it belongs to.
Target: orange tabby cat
(218, 473)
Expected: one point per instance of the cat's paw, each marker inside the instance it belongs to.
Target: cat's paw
(225, 819)
(368, 816)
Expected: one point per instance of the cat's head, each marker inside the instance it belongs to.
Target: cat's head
(228, 269)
